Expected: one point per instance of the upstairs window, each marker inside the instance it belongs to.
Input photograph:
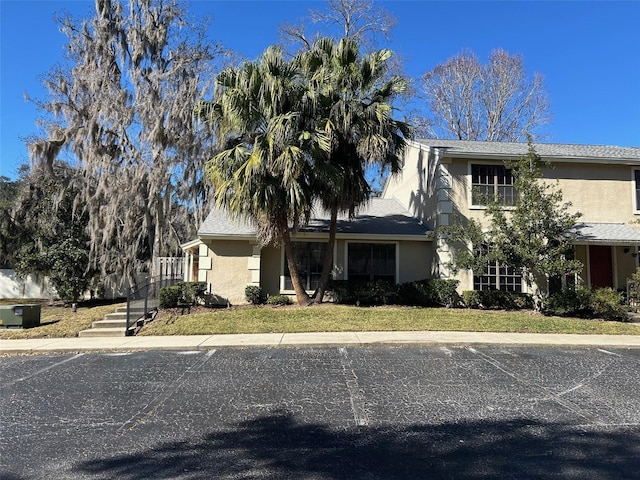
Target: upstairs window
(636, 178)
(492, 181)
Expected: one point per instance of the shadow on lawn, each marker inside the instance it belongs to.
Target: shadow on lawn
(277, 446)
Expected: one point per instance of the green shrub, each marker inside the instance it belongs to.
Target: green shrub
(445, 292)
(376, 292)
(429, 292)
(193, 292)
(169, 297)
(603, 303)
(253, 294)
(569, 303)
(471, 298)
(634, 289)
(279, 300)
(606, 303)
(497, 300)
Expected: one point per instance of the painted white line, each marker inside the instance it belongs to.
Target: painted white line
(356, 396)
(609, 353)
(42, 370)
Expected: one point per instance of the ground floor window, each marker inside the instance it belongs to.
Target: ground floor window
(371, 261)
(498, 277)
(309, 257)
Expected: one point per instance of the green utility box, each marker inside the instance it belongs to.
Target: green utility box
(25, 316)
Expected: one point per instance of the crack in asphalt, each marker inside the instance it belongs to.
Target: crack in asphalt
(556, 397)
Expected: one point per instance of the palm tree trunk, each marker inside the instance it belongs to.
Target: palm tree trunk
(328, 258)
(302, 297)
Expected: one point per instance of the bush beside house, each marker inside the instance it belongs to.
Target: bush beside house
(184, 293)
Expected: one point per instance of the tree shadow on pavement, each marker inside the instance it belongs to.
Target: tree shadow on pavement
(277, 446)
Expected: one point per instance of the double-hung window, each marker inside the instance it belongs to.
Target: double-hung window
(492, 182)
(498, 277)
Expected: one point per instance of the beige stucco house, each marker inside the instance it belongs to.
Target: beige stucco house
(384, 241)
(396, 237)
(602, 182)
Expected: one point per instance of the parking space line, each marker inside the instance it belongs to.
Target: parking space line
(356, 396)
(156, 403)
(555, 397)
(42, 370)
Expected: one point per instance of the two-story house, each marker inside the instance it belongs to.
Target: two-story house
(440, 179)
(396, 237)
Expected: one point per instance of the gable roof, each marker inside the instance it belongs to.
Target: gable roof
(380, 216)
(550, 151)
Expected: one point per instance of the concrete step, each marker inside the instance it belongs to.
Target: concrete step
(110, 323)
(136, 311)
(123, 315)
(103, 332)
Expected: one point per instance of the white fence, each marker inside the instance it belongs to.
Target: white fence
(168, 267)
(11, 286)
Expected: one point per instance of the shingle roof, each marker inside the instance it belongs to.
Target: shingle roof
(379, 217)
(545, 150)
(619, 233)
(218, 222)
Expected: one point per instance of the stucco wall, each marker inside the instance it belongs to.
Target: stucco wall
(414, 186)
(415, 259)
(603, 193)
(229, 274)
(270, 270)
(593, 189)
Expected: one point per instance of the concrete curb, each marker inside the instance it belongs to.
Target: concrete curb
(362, 339)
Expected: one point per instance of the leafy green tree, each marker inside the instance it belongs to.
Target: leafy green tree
(10, 234)
(354, 98)
(262, 120)
(300, 131)
(53, 229)
(535, 237)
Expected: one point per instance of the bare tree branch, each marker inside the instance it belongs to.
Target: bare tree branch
(493, 102)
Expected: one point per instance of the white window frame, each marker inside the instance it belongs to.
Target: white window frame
(470, 165)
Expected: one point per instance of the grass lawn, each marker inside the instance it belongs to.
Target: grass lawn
(57, 321)
(339, 318)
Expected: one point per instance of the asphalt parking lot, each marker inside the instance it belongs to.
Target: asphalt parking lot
(323, 413)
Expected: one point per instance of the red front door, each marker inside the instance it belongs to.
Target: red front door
(601, 266)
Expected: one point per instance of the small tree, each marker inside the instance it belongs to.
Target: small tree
(534, 237)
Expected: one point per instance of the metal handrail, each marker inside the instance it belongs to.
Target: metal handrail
(148, 296)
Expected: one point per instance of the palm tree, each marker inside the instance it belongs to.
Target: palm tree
(264, 130)
(352, 101)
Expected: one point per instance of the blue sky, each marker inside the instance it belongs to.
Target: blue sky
(587, 51)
